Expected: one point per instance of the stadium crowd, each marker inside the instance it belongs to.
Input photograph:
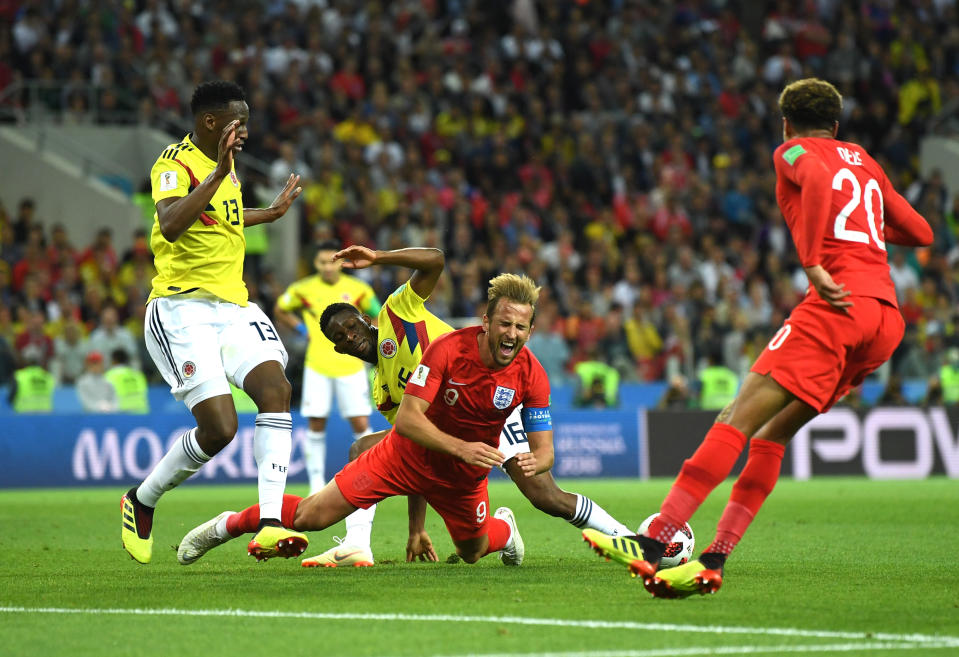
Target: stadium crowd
(617, 152)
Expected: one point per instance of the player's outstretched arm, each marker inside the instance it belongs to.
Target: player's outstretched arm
(428, 263)
(282, 203)
(411, 422)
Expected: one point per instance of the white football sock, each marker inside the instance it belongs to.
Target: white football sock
(359, 526)
(591, 515)
(184, 458)
(314, 451)
(272, 441)
(221, 531)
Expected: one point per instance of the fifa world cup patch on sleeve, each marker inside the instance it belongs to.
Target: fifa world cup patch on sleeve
(167, 181)
(792, 154)
(419, 376)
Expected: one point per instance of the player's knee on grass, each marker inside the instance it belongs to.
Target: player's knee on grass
(469, 556)
(365, 443)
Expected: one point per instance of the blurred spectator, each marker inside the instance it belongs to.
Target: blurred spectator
(548, 344)
(892, 395)
(948, 378)
(678, 396)
(614, 349)
(111, 335)
(718, 384)
(284, 164)
(597, 384)
(98, 262)
(69, 353)
(24, 221)
(33, 386)
(8, 361)
(904, 277)
(96, 394)
(129, 384)
(33, 344)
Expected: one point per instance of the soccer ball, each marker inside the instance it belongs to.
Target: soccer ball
(680, 550)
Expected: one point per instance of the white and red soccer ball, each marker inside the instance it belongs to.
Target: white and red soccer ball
(680, 550)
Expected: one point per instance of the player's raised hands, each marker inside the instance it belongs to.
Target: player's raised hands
(419, 546)
(356, 257)
(479, 454)
(527, 463)
(287, 195)
(226, 148)
(829, 291)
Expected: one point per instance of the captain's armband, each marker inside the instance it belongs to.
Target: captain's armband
(536, 419)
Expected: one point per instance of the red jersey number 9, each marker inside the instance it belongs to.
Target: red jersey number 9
(859, 196)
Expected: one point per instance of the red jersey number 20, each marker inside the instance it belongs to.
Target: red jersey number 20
(866, 196)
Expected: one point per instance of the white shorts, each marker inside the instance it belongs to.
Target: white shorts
(202, 344)
(352, 394)
(512, 439)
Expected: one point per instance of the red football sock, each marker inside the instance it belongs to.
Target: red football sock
(701, 473)
(749, 492)
(248, 520)
(498, 535)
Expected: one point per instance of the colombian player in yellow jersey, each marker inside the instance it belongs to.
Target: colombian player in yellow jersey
(395, 345)
(327, 373)
(200, 329)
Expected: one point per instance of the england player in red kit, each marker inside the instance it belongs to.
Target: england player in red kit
(446, 434)
(841, 211)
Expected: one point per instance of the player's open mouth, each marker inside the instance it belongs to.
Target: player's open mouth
(506, 347)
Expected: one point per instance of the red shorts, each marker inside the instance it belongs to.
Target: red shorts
(382, 472)
(820, 352)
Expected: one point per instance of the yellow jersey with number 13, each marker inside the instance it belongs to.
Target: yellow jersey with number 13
(405, 329)
(208, 256)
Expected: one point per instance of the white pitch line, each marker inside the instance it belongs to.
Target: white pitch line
(725, 650)
(935, 641)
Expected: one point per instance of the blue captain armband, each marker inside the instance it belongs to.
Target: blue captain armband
(536, 419)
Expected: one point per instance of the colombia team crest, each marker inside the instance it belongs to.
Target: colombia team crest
(189, 369)
(503, 397)
(388, 348)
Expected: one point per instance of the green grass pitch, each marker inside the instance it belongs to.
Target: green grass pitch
(830, 567)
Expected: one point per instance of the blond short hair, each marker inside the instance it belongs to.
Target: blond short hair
(517, 288)
(811, 104)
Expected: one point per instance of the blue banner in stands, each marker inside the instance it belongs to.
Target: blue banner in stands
(97, 450)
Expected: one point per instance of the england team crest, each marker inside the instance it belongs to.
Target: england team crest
(503, 397)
